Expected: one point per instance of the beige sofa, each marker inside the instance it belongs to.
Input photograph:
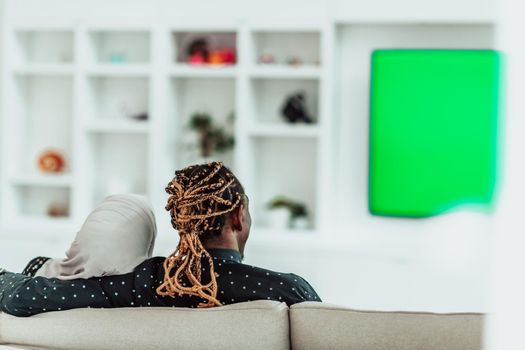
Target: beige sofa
(252, 325)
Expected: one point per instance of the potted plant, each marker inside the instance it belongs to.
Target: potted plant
(287, 213)
(299, 216)
(211, 138)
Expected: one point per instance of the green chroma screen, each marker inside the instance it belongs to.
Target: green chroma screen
(433, 130)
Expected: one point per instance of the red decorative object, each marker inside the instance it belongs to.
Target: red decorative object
(198, 53)
(197, 59)
(51, 162)
(222, 56)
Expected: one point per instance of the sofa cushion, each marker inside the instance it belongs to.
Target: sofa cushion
(250, 325)
(322, 326)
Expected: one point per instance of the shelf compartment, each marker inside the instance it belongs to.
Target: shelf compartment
(215, 97)
(284, 45)
(119, 47)
(219, 40)
(41, 109)
(49, 46)
(120, 164)
(117, 99)
(284, 167)
(33, 201)
(268, 97)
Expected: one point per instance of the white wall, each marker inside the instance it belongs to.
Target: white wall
(342, 10)
(507, 285)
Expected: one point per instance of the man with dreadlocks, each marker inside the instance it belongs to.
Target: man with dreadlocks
(209, 209)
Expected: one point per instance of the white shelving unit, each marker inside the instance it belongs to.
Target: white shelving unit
(93, 80)
(282, 158)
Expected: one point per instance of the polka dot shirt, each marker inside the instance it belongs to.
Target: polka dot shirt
(34, 265)
(23, 295)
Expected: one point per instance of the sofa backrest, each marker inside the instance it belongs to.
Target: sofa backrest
(324, 326)
(251, 325)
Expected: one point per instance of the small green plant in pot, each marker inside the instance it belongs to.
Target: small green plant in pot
(287, 213)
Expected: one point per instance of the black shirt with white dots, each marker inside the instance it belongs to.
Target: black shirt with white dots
(23, 295)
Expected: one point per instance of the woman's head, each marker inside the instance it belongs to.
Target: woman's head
(122, 223)
(206, 203)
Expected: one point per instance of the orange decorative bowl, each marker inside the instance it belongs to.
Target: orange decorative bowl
(51, 162)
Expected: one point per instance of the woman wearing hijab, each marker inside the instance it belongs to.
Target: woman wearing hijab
(118, 235)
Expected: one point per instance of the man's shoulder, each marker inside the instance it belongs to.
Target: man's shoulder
(282, 286)
(272, 274)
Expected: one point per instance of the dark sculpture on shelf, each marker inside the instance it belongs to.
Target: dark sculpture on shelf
(294, 109)
(140, 116)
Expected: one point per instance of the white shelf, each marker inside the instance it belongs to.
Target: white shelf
(44, 69)
(280, 71)
(284, 130)
(44, 180)
(119, 70)
(205, 71)
(137, 127)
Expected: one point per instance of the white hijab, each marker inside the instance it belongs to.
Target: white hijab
(116, 237)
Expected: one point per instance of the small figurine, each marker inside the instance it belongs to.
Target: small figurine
(294, 61)
(266, 58)
(230, 56)
(294, 109)
(198, 51)
(117, 57)
(57, 209)
(51, 162)
(140, 116)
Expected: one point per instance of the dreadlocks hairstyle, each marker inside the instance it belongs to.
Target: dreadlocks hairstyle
(200, 197)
